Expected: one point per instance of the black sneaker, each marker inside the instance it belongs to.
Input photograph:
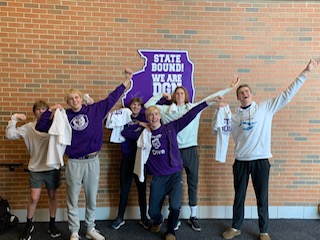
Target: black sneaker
(177, 226)
(146, 223)
(117, 223)
(26, 234)
(54, 232)
(193, 221)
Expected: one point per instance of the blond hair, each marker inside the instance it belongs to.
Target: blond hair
(72, 91)
(150, 109)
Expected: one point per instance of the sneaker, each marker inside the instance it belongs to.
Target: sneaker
(26, 234)
(193, 221)
(146, 223)
(94, 234)
(54, 232)
(170, 236)
(117, 223)
(177, 226)
(230, 233)
(74, 236)
(156, 227)
(264, 236)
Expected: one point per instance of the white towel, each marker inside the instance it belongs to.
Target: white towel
(221, 126)
(142, 155)
(60, 136)
(116, 121)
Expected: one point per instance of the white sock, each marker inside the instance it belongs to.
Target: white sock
(193, 211)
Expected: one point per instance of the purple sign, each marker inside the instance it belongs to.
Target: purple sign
(162, 72)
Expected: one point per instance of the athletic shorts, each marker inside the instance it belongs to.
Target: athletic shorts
(50, 178)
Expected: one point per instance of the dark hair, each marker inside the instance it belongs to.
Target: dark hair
(186, 99)
(241, 86)
(39, 104)
(138, 100)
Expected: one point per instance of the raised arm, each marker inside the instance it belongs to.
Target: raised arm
(235, 82)
(224, 91)
(313, 63)
(275, 104)
(12, 132)
(128, 76)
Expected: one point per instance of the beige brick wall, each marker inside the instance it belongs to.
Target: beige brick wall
(47, 47)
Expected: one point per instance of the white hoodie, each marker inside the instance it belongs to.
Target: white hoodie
(251, 127)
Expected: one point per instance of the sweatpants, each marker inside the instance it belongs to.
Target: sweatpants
(191, 166)
(259, 170)
(78, 172)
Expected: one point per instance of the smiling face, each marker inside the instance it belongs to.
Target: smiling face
(74, 100)
(153, 116)
(244, 95)
(135, 106)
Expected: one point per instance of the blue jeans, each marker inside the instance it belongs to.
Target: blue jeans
(161, 186)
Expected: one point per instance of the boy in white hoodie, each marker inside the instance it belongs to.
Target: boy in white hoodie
(251, 131)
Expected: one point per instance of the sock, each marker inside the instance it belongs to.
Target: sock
(52, 221)
(29, 222)
(193, 211)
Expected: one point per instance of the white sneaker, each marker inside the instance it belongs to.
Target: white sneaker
(74, 236)
(177, 226)
(95, 235)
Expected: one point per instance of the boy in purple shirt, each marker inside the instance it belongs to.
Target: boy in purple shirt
(165, 165)
(83, 165)
(131, 133)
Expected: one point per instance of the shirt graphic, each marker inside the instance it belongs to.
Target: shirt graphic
(79, 122)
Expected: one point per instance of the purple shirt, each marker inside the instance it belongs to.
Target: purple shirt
(158, 163)
(131, 133)
(86, 125)
(164, 158)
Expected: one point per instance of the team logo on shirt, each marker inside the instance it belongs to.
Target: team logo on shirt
(247, 125)
(227, 126)
(79, 122)
(118, 112)
(156, 144)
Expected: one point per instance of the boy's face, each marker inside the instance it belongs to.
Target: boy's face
(135, 108)
(180, 96)
(154, 118)
(38, 111)
(74, 101)
(244, 95)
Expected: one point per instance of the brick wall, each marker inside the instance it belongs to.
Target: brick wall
(47, 47)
